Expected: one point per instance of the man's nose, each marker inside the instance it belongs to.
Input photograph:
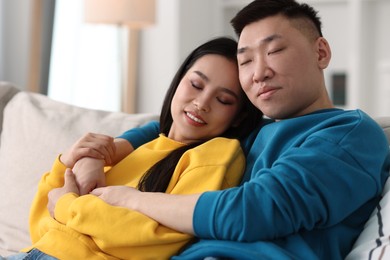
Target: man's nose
(262, 71)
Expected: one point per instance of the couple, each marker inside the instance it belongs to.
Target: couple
(300, 196)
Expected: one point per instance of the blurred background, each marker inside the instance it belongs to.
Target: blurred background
(49, 46)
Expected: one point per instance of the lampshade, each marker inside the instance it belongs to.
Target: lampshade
(133, 13)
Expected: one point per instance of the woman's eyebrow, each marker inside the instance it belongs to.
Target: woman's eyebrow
(221, 88)
(228, 91)
(202, 75)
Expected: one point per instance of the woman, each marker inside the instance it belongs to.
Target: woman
(204, 101)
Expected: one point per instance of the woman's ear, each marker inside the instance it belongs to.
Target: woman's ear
(324, 52)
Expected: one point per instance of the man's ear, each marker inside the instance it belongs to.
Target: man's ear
(324, 52)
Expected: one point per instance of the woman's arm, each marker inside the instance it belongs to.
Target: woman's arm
(88, 156)
(114, 228)
(200, 169)
(203, 168)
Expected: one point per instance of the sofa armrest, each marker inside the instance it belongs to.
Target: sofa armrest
(7, 91)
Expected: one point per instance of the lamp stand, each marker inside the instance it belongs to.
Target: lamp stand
(129, 82)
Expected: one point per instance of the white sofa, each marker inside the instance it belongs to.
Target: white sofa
(35, 129)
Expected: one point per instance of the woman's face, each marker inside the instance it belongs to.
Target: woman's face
(207, 101)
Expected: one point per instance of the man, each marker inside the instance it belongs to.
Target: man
(314, 173)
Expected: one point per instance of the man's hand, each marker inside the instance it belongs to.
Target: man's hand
(70, 186)
(92, 145)
(121, 196)
(173, 211)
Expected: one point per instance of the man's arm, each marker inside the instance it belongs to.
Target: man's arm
(173, 211)
(141, 135)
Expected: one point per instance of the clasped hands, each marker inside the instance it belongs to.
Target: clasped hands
(85, 162)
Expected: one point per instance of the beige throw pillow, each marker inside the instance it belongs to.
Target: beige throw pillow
(35, 130)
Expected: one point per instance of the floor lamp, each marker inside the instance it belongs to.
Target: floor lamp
(131, 15)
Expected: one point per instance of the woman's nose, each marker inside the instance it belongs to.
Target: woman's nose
(202, 103)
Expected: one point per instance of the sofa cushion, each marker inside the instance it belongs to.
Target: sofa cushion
(384, 122)
(35, 130)
(374, 241)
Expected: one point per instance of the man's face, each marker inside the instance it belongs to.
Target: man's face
(281, 68)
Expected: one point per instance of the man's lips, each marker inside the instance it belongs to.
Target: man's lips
(267, 92)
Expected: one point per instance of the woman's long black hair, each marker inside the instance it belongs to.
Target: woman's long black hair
(157, 178)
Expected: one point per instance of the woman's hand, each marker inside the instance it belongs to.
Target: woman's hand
(88, 156)
(70, 186)
(89, 173)
(92, 145)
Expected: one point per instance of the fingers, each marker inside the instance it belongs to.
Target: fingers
(92, 145)
(97, 192)
(98, 146)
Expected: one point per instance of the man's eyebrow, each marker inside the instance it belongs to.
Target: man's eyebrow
(266, 40)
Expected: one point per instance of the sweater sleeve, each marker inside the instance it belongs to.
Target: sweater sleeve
(141, 135)
(49, 181)
(315, 184)
(116, 227)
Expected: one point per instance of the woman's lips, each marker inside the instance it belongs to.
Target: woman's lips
(195, 118)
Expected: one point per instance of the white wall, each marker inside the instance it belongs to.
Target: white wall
(356, 29)
(1, 42)
(15, 30)
(381, 65)
(358, 34)
(181, 26)
(158, 57)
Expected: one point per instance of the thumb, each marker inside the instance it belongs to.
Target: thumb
(69, 177)
(70, 181)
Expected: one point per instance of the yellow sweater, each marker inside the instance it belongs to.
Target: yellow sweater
(88, 228)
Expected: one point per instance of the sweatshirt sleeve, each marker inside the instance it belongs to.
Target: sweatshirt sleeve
(316, 184)
(49, 181)
(141, 135)
(116, 227)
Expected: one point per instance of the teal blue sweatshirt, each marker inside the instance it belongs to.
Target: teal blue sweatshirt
(310, 185)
